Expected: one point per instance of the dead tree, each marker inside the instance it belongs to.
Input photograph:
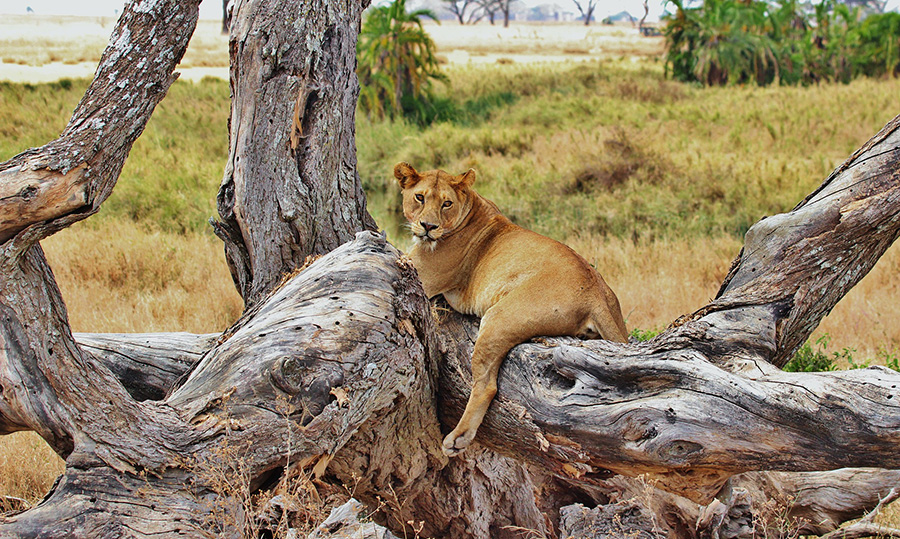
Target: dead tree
(466, 11)
(586, 8)
(343, 369)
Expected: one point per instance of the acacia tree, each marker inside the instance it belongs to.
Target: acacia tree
(492, 7)
(466, 11)
(586, 8)
(342, 369)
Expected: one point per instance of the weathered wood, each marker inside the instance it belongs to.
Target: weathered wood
(817, 503)
(801, 263)
(291, 188)
(41, 367)
(348, 522)
(147, 364)
(329, 358)
(258, 389)
(34, 196)
(757, 504)
(624, 519)
(585, 409)
(343, 372)
(50, 187)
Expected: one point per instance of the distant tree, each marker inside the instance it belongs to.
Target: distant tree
(874, 6)
(466, 11)
(494, 7)
(878, 50)
(586, 8)
(227, 12)
(644, 18)
(490, 7)
(396, 59)
(505, 9)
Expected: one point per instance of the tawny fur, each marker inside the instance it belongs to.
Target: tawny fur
(520, 283)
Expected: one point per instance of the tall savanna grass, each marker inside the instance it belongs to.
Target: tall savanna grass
(654, 181)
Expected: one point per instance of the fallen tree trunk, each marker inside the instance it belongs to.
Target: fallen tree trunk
(342, 372)
(814, 503)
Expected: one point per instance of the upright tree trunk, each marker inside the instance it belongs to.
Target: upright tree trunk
(291, 188)
(346, 373)
(226, 16)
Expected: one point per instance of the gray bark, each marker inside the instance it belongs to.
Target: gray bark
(291, 188)
(343, 371)
(147, 364)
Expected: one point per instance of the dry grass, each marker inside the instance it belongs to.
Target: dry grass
(657, 281)
(660, 280)
(28, 468)
(121, 277)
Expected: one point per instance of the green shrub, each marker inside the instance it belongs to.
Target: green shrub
(642, 335)
(809, 359)
(762, 42)
(397, 63)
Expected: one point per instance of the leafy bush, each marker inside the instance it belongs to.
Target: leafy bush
(738, 42)
(642, 335)
(397, 62)
(807, 359)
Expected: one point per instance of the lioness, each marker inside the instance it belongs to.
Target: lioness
(520, 283)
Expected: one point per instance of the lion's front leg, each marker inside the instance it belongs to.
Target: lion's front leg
(493, 343)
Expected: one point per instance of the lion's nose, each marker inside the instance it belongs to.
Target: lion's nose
(428, 226)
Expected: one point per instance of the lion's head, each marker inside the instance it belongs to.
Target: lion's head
(434, 202)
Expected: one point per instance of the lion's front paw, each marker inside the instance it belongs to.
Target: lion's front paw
(455, 442)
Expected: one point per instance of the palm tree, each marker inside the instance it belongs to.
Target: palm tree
(396, 58)
(723, 42)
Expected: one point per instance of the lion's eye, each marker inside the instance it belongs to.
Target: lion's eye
(447, 204)
(420, 198)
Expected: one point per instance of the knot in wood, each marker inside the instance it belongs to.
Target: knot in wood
(28, 192)
(678, 451)
(309, 381)
(289, 373)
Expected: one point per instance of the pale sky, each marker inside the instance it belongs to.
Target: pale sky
(212, 9)
(209, 9)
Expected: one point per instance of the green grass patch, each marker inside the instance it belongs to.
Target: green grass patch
(816, 358)
(607, 148)
(174, 169)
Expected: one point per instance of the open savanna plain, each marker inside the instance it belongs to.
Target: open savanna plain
(574, 132)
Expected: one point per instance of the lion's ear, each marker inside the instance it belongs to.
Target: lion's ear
(465, 180)
(406, 175)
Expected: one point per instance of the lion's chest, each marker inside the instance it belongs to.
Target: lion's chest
(475, 269)
(465, 284)
(481, 290)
